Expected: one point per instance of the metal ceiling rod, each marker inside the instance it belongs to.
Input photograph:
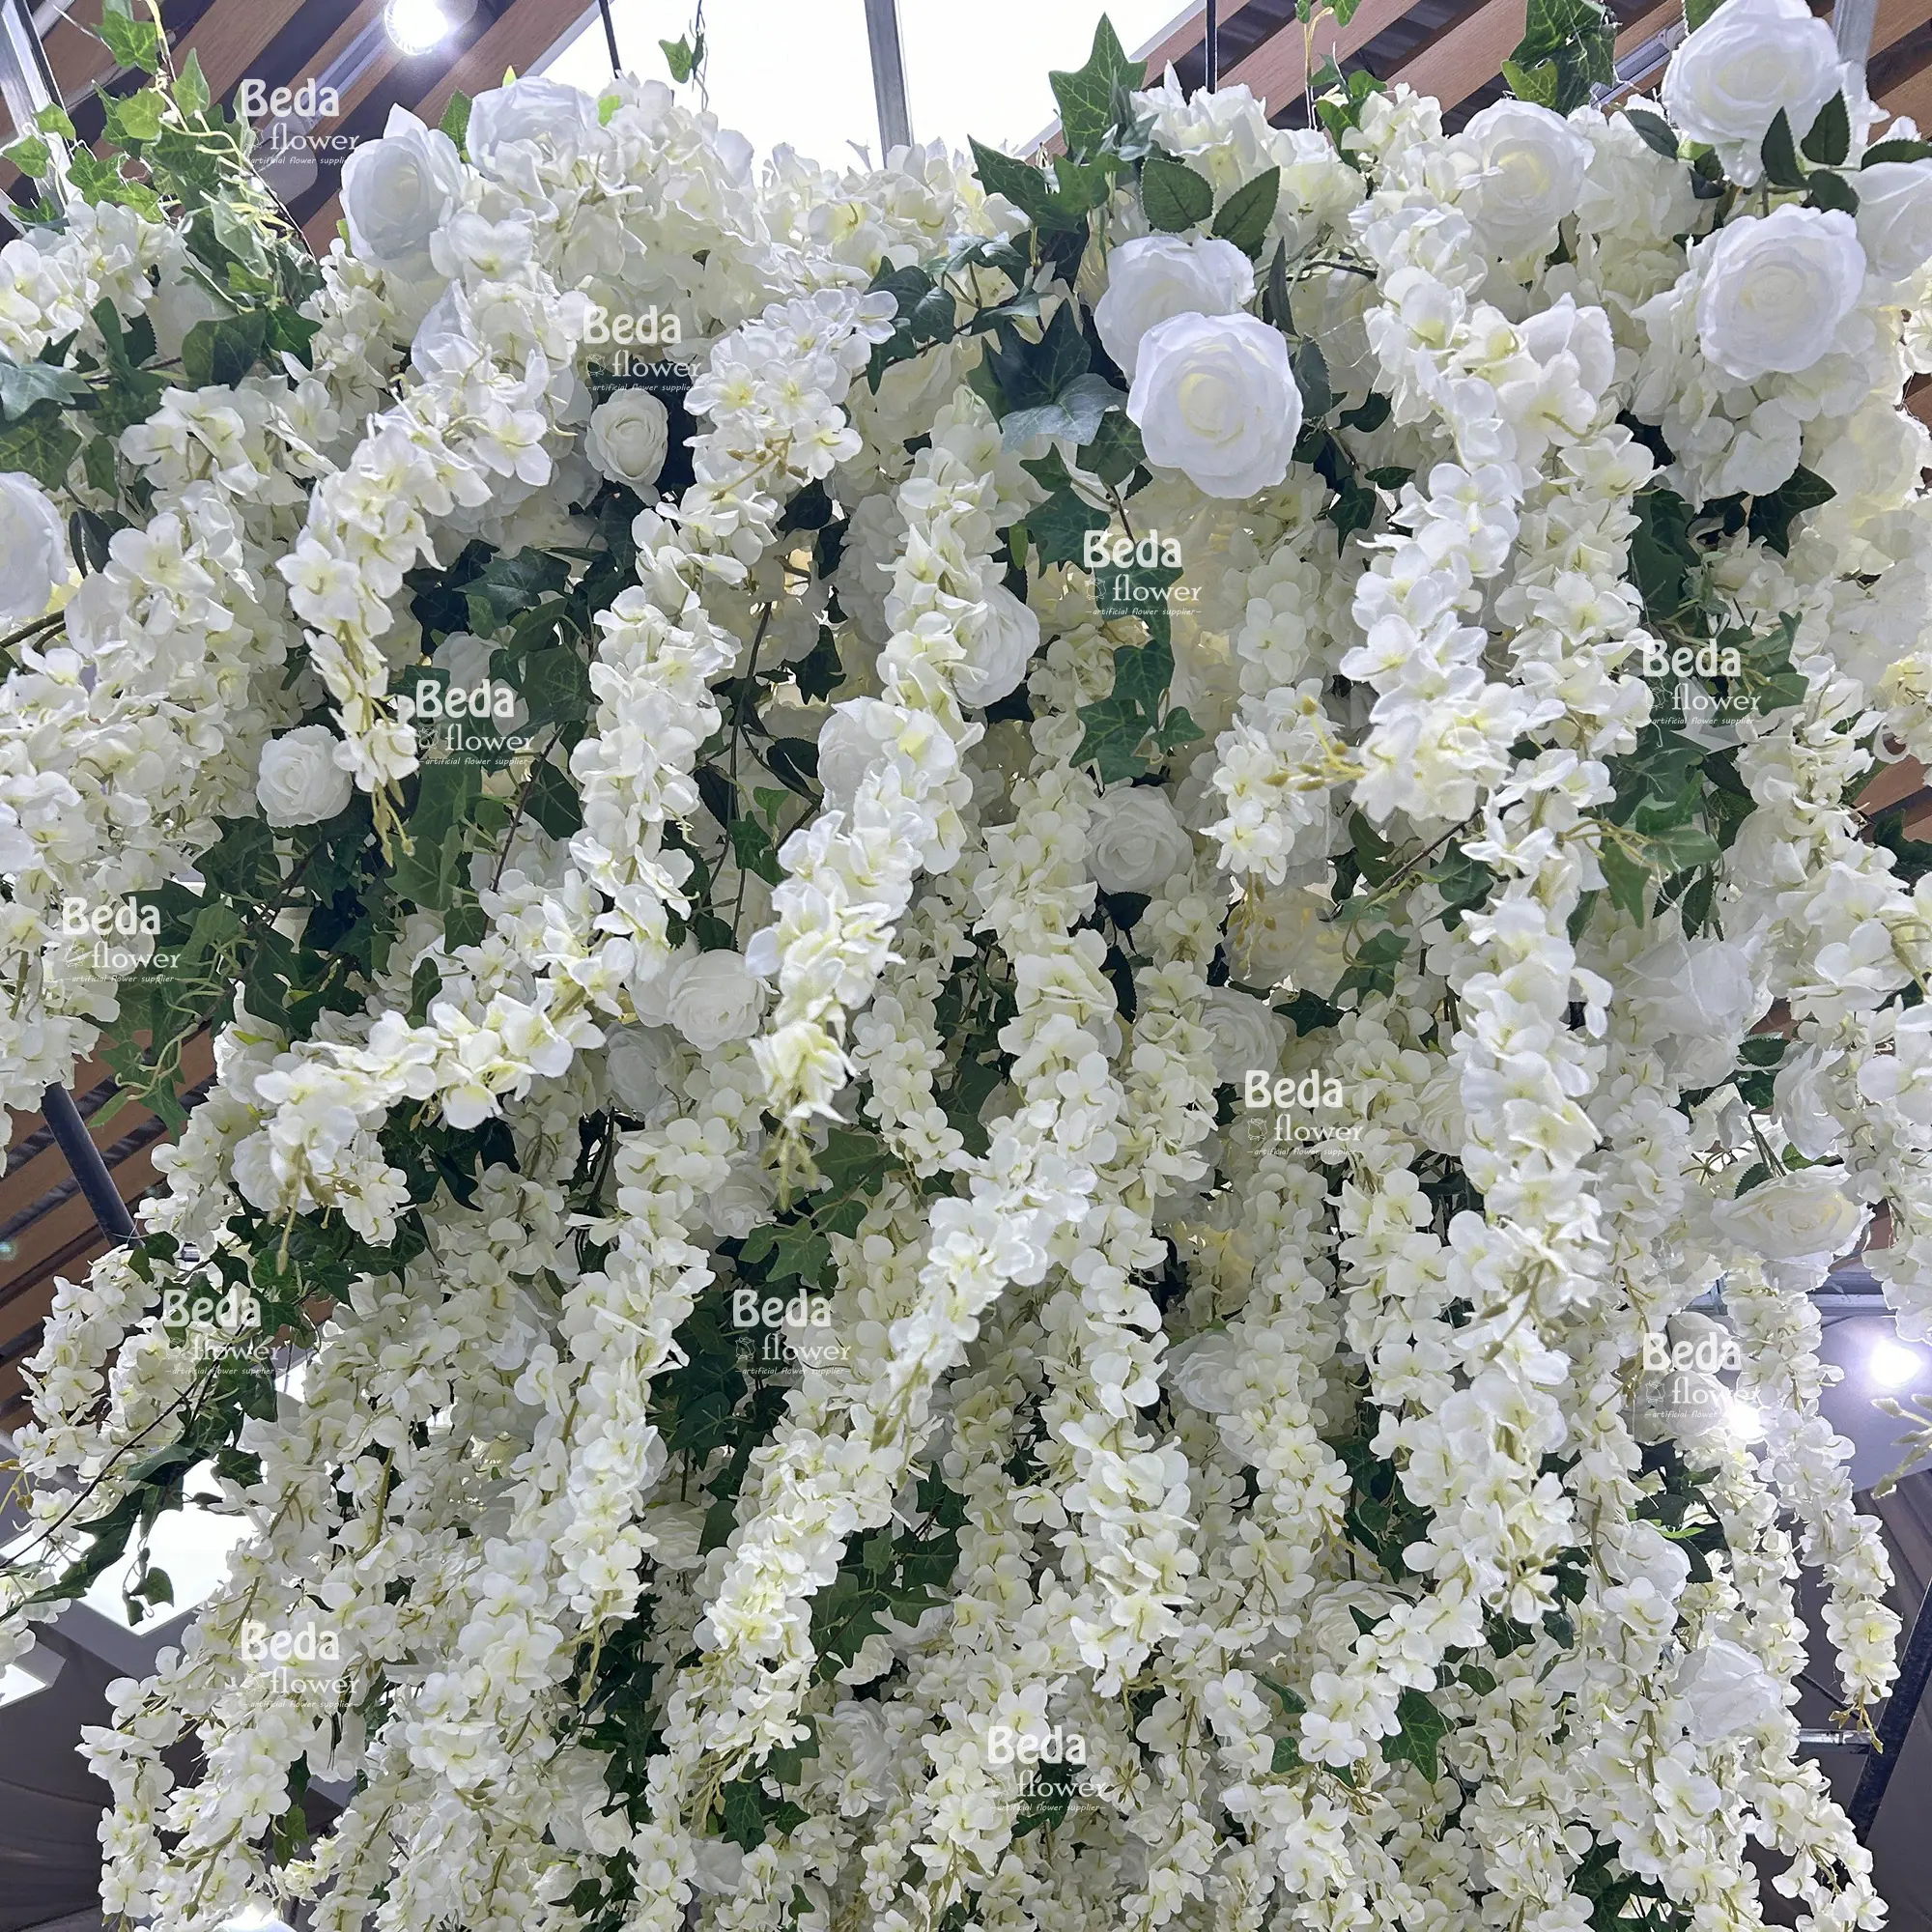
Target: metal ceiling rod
(1210, 46)
(27, 85)
(1914, 1668)
(89, 1169)
(888, 81)
(1852, 21)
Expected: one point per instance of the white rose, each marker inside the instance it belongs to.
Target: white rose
(1158, 276)
(1215, 399)
(532, 109)
(1695, 988)
(1203, 1371)
(1795, 1216)
(1530, 165)
(1727, 1688)
(1895, 216)
(640, 1067)
(1138, 844)
(397, 192)
(1726, 83)
(1801, 1092)
(628, 437)
(1247, 1033)
(850, 741)
(1776, 288)
(1000, 645)
(33, 549)
(714, 997)
(299, 781)
(743, 1203)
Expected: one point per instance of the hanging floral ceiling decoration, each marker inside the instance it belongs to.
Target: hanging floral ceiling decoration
(992, 949)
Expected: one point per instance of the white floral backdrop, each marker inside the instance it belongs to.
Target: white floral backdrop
(993, 948)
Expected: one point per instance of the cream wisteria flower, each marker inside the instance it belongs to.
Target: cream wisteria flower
(974, 1234)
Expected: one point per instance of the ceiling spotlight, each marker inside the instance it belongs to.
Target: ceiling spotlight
(421, 27)
(1891, 1364)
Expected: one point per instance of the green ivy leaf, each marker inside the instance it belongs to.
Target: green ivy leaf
(23, 385)
(1627, 881)
(54, 119)
(1244, 218)
(42, 443)
(1772, 515)
(31, 155)
(1120, 724)
(192, 93)
(1423, 1729)
(1058, 527)
(1577, 39)
(133, 42)
(223, 350)
(135, 119)
(1174, 195)
(1829, 139)
(681, 57)
(1020, 182)
(1093, 99)
(455, 122)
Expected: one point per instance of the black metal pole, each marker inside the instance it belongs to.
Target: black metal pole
(1914, 1668)
(89, 1169)
(1211, 46)
(611, 36)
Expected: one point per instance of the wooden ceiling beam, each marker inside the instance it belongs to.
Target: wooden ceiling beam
(1277, 70)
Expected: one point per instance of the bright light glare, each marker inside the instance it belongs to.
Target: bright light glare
(1891, 1364)
(1743, 1419)
(421, 27)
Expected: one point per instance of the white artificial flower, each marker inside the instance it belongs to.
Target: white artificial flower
(1214, 398)
(1776, 288)
(1248, 1034)
(1794, 1216)
(1154, 277)
(1137, 844)
(1801, 1093)
(33, 549)
(628, 437)
(712, 997)
(1202, 1370)
(1727, 1690)
(1530, 165)
(1000, 643)
(397, 192)
(1694, 988)
(1895, 218)
(301, 780)
(534, 112)
(1728, 80)
(640, 1066)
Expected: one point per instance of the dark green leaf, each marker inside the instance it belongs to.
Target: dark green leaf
(1657, 132)
(1244, 218)
(1423, 1729)
(42, 443)
(455, 122)
(1780, 154)
(223, 351)
(1174, 195)
(1772, 515)
(1896, 150)
(132, 42)
(22, 385)
(1829, 139)
(1830, 190)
